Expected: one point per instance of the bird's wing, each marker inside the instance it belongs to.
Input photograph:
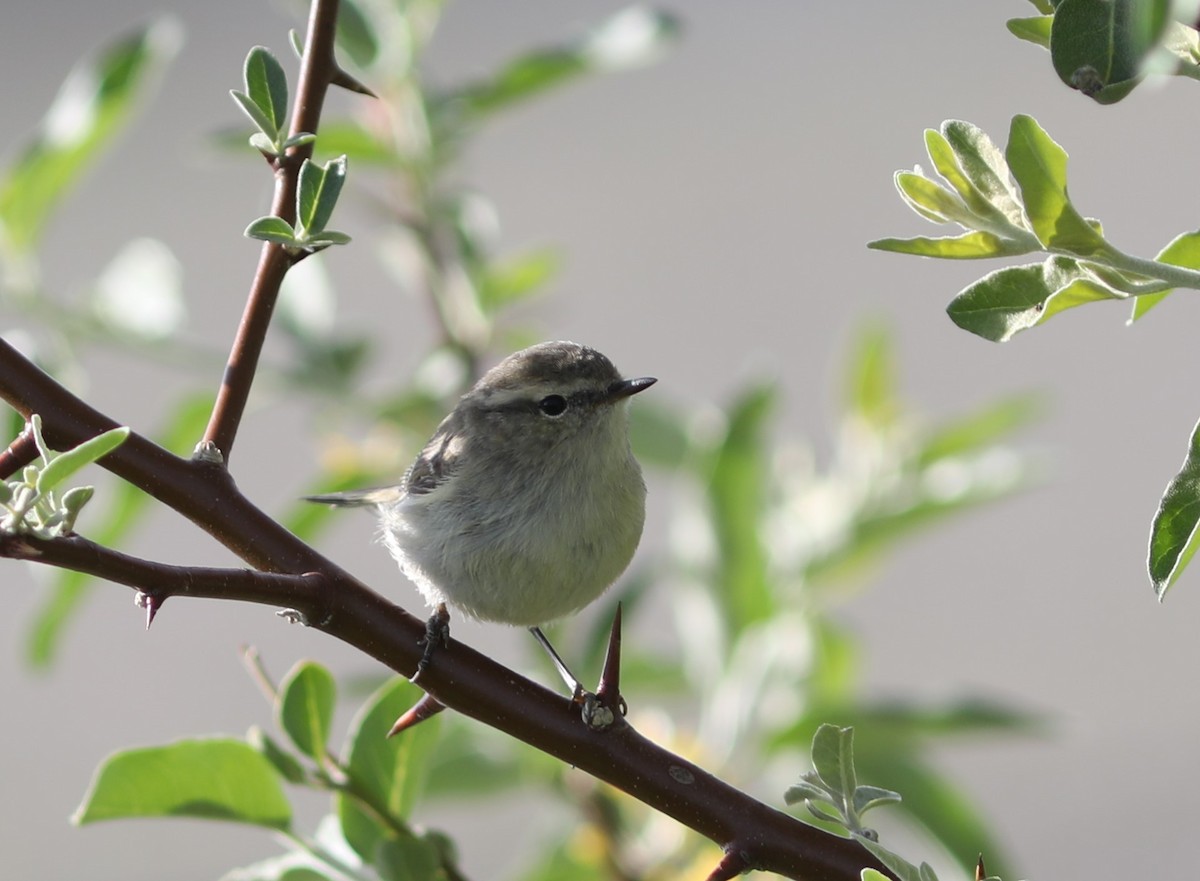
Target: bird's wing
(436, 462)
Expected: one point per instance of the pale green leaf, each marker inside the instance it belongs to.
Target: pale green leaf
(304, 707)
(968, 246)
(1174, 536)
(1039, 166)
(1184, 250)
(389, 771)
(216, 779)
(65, 464)
(1034, 30)
(271, 229)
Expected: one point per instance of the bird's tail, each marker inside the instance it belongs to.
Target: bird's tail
(358, 497)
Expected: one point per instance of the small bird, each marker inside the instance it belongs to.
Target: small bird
(527, 503)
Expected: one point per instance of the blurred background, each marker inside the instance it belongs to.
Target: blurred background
(712, 211)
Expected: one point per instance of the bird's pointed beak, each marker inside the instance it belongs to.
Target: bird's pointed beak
(626, 387)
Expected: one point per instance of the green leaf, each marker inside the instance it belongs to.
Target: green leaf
(1184, 250)
(1033, 30)
(305, 707)
(65, 464)
(1174, 533)
(389, 772)
(1100, 46)
(265, 139)
(1039, 166)
(92, 107)
(316, 195)
(868, 797)
(354, 140)
(945, 159)
(983, 164)
(1009, 300)
(737, 490)
(900, 867)
(931, 200)
(125, 504)
(833, 759)
(266, 85)
(217, 779)
(271, 229)
(968, 246)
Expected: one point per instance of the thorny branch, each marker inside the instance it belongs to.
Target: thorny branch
(292, 574)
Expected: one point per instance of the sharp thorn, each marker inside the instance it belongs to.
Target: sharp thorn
(609, 689)
(427, 707)
(733, 864)
(150, 603)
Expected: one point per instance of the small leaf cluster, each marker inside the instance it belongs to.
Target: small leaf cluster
(1016, 202)
(832, 794)
(265, 102)
(374, 785)
(1105, 48)
(831, 791)
(317, 193)
(32, 503)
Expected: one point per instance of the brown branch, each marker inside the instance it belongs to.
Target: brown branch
(20, 453)
(317, 68)
(333, 601)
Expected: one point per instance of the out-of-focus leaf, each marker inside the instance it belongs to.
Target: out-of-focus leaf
(949, 816)
(355, 35)
(471, 762)
(631, 37)
(388, 771)
(215, 779)
(970, 434)
(124, 510)
(305, 707)
(93, 105)
(1174, 536)
(1184, 250)
(1034, 30)
(871, 393)
(351, 139)
(141, 291)
(1016, 298)
(409, 858)
(968, 246)
(737, 489)
(1100, 46)
(504, 283)
(1039, 166)
(658, 435)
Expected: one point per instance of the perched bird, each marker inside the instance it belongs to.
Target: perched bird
(527, 502)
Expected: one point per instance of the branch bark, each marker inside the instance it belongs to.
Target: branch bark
(331, 600)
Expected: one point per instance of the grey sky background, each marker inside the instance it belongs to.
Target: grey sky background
(713, 211)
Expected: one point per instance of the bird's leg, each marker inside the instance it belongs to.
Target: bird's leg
(437, 633)
(575, 686)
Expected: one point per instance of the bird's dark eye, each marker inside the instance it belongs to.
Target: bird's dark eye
(553, 405)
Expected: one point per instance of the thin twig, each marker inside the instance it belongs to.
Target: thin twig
(316, 69)
(20, 453)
